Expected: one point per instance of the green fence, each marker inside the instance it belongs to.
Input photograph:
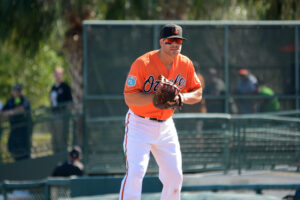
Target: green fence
(208, 142)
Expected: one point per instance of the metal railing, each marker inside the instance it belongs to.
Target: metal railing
(54, 189)
(37, 190)
(208, 142)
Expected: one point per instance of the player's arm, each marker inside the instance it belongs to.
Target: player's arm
(192, 97)
(138, 99)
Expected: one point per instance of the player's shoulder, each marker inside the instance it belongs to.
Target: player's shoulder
(146, 58)
(184, 59)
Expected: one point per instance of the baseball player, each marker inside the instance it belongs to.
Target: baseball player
(149, 126)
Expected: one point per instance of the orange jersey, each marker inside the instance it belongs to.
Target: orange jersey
(143, 77)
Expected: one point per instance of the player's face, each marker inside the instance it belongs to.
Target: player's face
(171, 46)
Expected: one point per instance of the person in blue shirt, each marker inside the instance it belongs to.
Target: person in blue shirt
(247, 85)
(17, 109)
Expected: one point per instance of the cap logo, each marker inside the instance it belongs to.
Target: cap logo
(175, 30)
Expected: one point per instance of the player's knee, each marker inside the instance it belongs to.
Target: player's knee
(175, 177)
(137, 173)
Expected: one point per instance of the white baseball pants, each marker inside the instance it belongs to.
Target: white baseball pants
(141, 137)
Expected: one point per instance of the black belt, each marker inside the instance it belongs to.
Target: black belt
(153, 119)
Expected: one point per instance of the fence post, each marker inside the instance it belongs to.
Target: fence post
(296, 42)
(4, 191)
(226, 66)
(66, 126)
(74, 125)
(238, 125)
(47, 191)
(227, 147)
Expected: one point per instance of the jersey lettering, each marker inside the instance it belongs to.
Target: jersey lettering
(148, 84)
(180, 82)
(156, 84)
(152, 83)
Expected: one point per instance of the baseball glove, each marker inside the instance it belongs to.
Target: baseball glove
(167, 95)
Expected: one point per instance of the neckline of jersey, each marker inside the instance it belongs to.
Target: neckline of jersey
(161, 65)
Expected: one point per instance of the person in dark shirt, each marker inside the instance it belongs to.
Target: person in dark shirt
(60, 97)
(60, 93)
(215, 86)
(72, 167)
(17, 108)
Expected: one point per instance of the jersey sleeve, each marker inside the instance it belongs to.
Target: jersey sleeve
(193, 80)
(134, 82)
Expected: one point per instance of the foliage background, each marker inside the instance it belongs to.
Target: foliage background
(37, 35)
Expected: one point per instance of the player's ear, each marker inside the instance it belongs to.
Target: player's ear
(161, 42)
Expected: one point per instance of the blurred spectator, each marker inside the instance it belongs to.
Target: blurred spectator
(215, 86)
(60, 93)
(60, 96)
(267, 104)
(71, 167)
(17, 108)
(247, 85)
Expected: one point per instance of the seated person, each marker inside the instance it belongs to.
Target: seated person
(71, 167)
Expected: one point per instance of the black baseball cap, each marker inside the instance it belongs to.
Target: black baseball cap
(171, 31)
(17, 86)
(75, 152)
